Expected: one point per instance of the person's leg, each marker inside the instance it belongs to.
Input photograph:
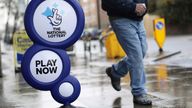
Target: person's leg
(121, 68)
(143, 43)
(142, 99)
(127, 34)
(142, 78)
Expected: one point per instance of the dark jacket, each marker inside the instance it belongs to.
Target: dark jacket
(122, 8)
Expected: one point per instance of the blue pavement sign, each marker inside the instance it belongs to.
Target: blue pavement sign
(52, 25)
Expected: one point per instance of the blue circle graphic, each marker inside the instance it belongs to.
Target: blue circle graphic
(29, 75)
(55, 92)
(37, 38)
(159, 25)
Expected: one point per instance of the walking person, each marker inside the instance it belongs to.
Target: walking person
(126, 18)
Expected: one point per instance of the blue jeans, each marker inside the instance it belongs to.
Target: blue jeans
(132, 37)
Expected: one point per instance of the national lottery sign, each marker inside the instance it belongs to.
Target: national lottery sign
(53, 25)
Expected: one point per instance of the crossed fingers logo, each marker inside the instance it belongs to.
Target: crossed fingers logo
(53, 15)
(56, 19)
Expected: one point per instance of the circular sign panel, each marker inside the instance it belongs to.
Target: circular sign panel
(43, 67)
(46, 66)
(54, 23)
(55, 20)
(67, 90)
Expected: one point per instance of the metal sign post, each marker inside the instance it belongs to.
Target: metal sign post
(53, 25)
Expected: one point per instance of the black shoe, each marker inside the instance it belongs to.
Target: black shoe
(114, 81)
(142, 100)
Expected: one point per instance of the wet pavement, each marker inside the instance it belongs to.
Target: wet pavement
(169, 83)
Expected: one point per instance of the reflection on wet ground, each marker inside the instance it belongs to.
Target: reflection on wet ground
(172, 84)
(169, 87)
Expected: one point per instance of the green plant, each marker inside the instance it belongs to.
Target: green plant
(176, 12)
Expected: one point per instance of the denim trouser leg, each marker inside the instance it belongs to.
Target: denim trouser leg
(132, 37)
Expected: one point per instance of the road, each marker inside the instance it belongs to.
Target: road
(168, 81)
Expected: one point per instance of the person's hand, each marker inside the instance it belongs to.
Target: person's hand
(56, 19)
(140, 9)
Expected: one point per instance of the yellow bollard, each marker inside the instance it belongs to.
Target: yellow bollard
(160, 32)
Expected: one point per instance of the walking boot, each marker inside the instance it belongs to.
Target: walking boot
(115, 82)
(142, 100)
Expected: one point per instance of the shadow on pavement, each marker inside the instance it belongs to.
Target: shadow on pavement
(70, 106)
(142, 106)
(117, 103)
